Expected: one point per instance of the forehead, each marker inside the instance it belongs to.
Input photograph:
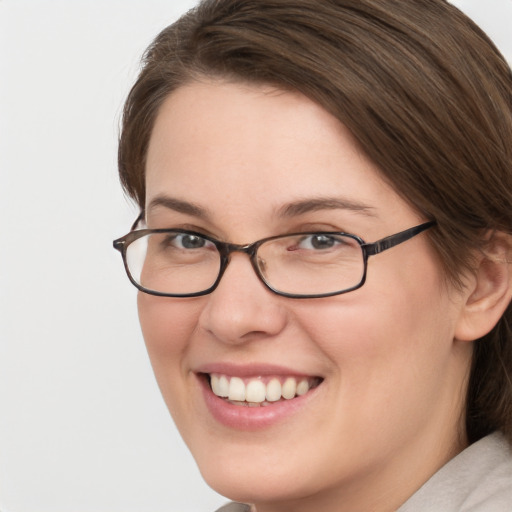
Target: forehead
(233, 147)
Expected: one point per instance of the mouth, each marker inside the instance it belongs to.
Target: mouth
(260, 391)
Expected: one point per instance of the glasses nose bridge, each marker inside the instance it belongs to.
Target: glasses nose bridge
(226, 249)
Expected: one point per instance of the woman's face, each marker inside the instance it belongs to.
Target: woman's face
(386, 377)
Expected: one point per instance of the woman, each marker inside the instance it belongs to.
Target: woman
(358, 356)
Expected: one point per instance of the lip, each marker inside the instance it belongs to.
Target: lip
(250, 370)
(251, 418)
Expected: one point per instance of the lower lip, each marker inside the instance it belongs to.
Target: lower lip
(241, 417)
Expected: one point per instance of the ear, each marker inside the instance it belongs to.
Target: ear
(489, 290)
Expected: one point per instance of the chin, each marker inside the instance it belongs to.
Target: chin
(250, 485)
(261, 471)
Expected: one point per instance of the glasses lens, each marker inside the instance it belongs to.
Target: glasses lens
(311, 263)
(173, 262)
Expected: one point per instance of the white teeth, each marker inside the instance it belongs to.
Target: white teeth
(273, 390)
(302, 387)
(254, 392)
(224, 386)
(289, 388)
(220, 385)
(236, 389)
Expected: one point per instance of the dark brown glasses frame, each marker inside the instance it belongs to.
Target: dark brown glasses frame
(225, 249)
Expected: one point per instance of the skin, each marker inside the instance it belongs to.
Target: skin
(388, 412)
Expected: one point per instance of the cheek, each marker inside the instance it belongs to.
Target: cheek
(167, 326)
(390, 346)
(387, 323)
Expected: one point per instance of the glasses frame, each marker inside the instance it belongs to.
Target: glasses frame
(225, 249)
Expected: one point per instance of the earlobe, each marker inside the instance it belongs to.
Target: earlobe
(489, 290)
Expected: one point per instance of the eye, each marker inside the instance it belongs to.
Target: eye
(177, 241)
(318, 241)
(189, 241)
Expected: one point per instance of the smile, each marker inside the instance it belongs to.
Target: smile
(259, 391)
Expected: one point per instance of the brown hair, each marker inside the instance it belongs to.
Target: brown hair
(420, 86)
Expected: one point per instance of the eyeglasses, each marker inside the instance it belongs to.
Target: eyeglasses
(182, 263)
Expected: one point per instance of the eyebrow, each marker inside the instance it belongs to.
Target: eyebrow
(293, 209)
(300, 207)
(179, 206)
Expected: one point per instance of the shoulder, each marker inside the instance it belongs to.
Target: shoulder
(478, 480)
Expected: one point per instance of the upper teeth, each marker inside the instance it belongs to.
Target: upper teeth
(256, 390)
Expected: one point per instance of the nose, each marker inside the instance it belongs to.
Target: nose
(241, 308)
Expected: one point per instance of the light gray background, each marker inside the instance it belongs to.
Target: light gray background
(82, 424)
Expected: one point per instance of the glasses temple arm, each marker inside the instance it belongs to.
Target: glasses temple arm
(390, 241)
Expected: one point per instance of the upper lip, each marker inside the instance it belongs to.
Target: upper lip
(250, 370)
